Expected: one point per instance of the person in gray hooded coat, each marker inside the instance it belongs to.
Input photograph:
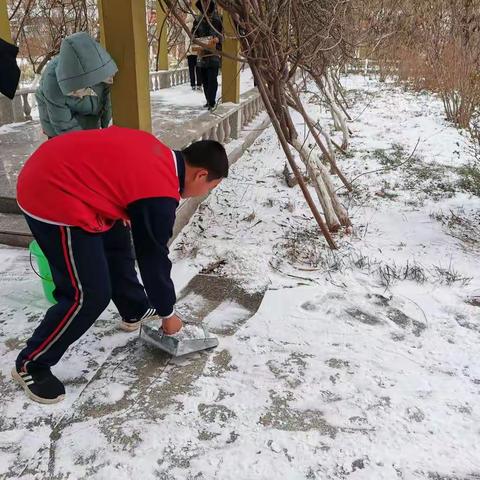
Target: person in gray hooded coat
(74, 91)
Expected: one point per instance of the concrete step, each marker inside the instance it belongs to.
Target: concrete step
(9, 205)
(14, 230)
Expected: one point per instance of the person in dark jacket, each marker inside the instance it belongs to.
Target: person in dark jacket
(77, 192)
(74, 91)
(192, 57)
(9, 71)
(208, 27)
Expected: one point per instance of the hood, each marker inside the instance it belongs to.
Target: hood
(82, 63)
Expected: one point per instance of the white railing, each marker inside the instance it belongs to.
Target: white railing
(28, 100)
(19, 109)
(366, 65)
(168, 78)
(226, 121)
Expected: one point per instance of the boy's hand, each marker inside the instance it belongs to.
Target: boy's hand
(172, 325)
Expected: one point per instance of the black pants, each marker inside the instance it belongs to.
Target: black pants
(194, 71)
(210, 84)
(88, 271)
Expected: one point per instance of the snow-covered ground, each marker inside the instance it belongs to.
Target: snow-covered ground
(384, 371)
(360, 364)
(181, 103)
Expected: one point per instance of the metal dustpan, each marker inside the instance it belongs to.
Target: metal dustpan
(192, 338)
(197, 302)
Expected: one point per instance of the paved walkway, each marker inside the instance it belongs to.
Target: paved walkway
(111, 377)
(172, 108)
(149, 382)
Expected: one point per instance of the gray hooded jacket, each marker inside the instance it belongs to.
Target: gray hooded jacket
(82, 65)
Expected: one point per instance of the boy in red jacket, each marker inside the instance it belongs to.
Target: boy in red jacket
(77, 192)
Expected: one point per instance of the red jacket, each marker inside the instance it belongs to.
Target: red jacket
(88, 178)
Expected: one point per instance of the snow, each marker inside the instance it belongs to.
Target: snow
(189, 332)
(181, 103)
(343, 372)
(389, 368)
(11, 127)
(225, 315)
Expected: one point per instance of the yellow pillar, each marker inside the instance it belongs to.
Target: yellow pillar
(5, 33)
(230, 68)
(124, 24)
(162, 36)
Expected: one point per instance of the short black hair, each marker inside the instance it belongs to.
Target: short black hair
(210, 155)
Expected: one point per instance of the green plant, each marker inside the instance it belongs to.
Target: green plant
(470, 177)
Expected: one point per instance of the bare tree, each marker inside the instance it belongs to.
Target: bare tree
(38, 26)
(280, 39)
(433, 45)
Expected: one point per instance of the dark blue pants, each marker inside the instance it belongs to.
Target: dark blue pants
(88, 270)
(194, 71)
(210, 84)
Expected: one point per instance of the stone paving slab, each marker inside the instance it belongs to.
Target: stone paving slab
(14, 231)
(134, 381)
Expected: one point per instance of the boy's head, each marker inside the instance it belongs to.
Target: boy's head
(206, 164)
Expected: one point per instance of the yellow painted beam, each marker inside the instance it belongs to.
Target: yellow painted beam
(5, 33)
(230, 68)
(162, 36)
(125, 29)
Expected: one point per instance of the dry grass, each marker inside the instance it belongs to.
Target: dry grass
(301, 251)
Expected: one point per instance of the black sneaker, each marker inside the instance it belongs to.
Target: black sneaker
(40, 385)
(134, 324)
(130, 325)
